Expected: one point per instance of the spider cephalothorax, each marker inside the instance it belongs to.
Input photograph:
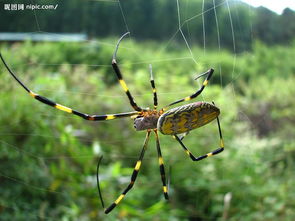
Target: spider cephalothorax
(147, 120)
(145, 123)
(178, 120)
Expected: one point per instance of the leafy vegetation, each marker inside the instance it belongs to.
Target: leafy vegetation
(48, 158)
(142, 18)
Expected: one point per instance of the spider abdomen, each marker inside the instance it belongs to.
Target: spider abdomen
(187, 117)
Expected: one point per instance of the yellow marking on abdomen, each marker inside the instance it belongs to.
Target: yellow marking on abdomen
(123, 84)
(119, 198)
(209, 154)
(205, 83)
(63, 108)
(187, 117)
(167, 125)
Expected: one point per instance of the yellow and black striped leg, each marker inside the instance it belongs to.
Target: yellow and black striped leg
(83, 115)
(120, 77)
(133, 176)
(162, 168)
(209, 74)
(217, 151)
(67, 109)
(154, 88)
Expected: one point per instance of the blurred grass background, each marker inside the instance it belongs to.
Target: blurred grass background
(48, 158)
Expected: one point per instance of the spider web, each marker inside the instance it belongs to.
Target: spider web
(182, 31)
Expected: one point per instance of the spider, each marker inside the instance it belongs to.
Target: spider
(176, 121)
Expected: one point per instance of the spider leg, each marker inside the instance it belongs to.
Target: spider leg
(161, 164)
(133, 176)
(217, 151)
(120, 77)
(209, 74)
(184, 135)
(97, 181)
(67, 109)
(154, 88)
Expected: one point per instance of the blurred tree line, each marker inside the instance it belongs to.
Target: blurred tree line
(157, 20)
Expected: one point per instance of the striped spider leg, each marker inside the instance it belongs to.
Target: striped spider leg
(139, 161)
(209, 74)
(67, 109)
(160, 158)
(132, 179)
(217, 151)
(162, 168)
(153, 88)
(120, 77)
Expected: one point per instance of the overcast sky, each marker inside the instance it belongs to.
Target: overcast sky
(275, 5)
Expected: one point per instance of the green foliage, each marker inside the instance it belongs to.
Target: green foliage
(157, 20)
(48, 158)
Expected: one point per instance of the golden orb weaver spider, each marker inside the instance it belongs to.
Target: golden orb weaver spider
(178, 120)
